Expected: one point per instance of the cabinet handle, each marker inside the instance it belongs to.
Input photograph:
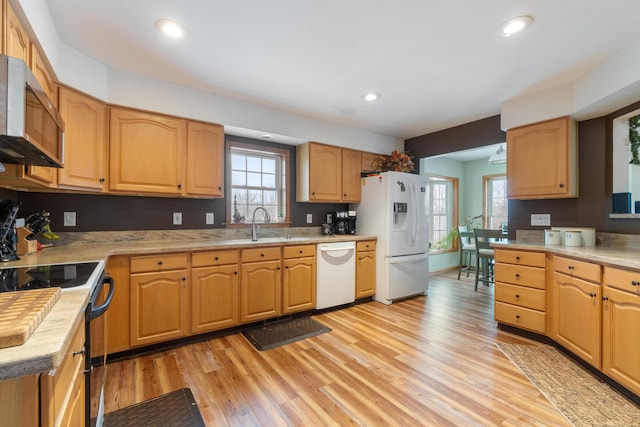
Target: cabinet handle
(220, 188)
(635, 283)
(592, 295)
(278, 268)
(235, 272)
(184, 279)
(81, 351)
(517, 316)
(286, 267)
(101, 180)
(313, 193)
(261, 254)
(517, 258)
(517, 276)
(300, 252)
(570, 267)
(605, 298)
(159, 262)
(517, 296)
(561, 185)
(216, 258)
(179, 186)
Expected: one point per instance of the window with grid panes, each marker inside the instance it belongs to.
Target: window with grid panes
(496, 201)
(442, 202)
(258, 177)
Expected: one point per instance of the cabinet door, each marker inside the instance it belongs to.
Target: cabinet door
(44, 76)
(146, 152)
(85, 141)
(370, 162)
(18, 43)
(158, 307)
(541, 160)
(214, 298)
(366, 274)
(298, 285)
(205, 159)
(351, 164)
(620, 339)
(578, 310)
(260, 296)
(325, 173)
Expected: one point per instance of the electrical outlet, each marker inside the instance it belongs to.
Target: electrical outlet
(209, 218)
(329, 218)
(541, 220)
(177, 218)
(69, 219)
(309, 218)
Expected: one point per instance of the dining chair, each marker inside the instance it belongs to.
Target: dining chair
(484, 254)
(467, 246)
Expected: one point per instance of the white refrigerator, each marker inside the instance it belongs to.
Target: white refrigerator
(394, 207)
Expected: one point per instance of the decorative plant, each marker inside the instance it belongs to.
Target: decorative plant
(398, 161)
(446, 241)
(634, 140)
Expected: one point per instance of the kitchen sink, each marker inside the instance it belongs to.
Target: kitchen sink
(267, 240)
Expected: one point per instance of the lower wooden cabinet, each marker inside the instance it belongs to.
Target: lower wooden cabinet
(365, 269)
(19, 401)
(620, 326)
(62, 390)
(260, 284)
(159, 299)
(298, 278)
(214, 290)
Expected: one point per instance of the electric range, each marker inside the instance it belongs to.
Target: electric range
(47, 276)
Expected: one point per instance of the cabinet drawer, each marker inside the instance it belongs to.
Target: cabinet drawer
(519, 295)
(301, 251)
(532, 277)
(160, 262)
(521, 317)
(205, 259)
(532, 259)
(260, 254)
(626, 280)
(584, 270)
(367, 245)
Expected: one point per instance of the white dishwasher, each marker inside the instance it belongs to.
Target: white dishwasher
(336, 274)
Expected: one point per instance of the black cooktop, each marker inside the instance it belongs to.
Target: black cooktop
(46, 276)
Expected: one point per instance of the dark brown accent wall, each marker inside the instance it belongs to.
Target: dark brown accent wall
(119, 213)
(595, 152)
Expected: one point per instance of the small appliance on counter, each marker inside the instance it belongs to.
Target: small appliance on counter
(344, 222)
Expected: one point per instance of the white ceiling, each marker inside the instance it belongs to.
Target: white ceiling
(436, 64)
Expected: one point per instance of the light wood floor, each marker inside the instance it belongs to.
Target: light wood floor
(429, 361)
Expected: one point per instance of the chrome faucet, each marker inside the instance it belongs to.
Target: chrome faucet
(255, 231)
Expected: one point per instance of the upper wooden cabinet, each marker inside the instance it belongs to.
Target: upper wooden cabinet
(205, 159)
(44, 75)
(328, 174)
(542, 160)
(17, 40)
(146, 152)
(85, 149)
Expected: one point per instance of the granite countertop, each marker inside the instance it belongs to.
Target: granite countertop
(608, 255)
(46, 347)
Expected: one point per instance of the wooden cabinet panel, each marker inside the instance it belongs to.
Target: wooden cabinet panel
(212, 258)
(205, 159)
(85, 147)
(532, 259)
(261, 290)
(577, 312)
(214, 298)
(158, 262)
(370, 162)
(520, 295)
(319, 173)
(158, 307)
(18, 43)
(351, 164)
(582, 269)
(298, 251)
(298, 284)
(117, 316)
(521, 317)
(620, 339)
(533, 277)
(542, 160)
(365, 245)
(19, 401)
(625, 280)
(365, 273)
(146, 152)
(44, 76)
(260, 254)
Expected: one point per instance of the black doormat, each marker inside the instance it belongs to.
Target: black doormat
(281, 333)
(175, 409)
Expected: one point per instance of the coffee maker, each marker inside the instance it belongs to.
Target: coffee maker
(344, 222)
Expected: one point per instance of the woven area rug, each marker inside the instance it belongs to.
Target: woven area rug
(581, 397)
(285, 332)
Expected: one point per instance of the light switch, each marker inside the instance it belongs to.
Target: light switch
(209, 218)
(309, 218)
(69, 219)
(177, 218)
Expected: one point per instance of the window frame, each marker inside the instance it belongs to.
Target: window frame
(229, 146)
(486, 179)
(455, 206)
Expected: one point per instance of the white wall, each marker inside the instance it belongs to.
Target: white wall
(470, 191)
(84, 73)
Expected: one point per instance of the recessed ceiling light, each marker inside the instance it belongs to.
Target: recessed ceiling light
(170, 28)
(514, 25)
(370, 96)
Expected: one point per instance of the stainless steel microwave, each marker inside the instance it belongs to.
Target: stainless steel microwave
(31, 130)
